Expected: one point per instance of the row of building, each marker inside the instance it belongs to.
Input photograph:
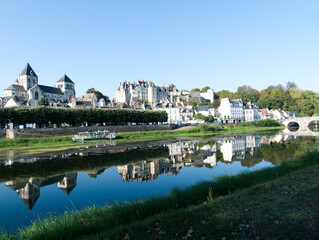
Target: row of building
(26, 91)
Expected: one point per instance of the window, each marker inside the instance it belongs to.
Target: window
(36, 95)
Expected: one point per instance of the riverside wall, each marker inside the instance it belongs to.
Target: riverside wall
(65, 131)
(2, 133)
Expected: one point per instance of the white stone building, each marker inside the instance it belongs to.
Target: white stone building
(209, 95)
(252, 113)
(233, 147)
(173, 112)
(231, 111)
(26, 90)
(145, 91)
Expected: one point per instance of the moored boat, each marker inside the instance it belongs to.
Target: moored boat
(85, 136)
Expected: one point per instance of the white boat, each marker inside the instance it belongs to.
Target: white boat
(85, 136)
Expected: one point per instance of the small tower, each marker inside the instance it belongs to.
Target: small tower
(67, 86)
(27, 77)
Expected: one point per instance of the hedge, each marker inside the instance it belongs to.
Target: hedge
(46, 115)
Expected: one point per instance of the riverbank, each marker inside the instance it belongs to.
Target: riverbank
(286, 208)
(65, 142)
(248, 205)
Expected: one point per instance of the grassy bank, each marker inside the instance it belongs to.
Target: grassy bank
(66, 142)
(286, 208)
(76, 224)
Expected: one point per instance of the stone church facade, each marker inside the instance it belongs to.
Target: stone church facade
(26, 91)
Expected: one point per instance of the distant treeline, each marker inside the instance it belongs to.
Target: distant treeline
(289, 97)
(46, 115)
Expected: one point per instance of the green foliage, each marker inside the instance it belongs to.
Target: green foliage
(302, 102)
(98, 94)
(204, 89)
(205, 118)
(46, 115)
(43, 102)
(263, 123)
(248, 94)
(209, 127)
(195, 90)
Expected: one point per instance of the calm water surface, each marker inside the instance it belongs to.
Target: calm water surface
(35, 186)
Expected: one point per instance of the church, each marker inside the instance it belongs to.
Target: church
(26, 91)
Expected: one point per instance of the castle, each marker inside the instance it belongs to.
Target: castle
(145, 91)
(26, 91)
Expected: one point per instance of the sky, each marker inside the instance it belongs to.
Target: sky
(192, 44)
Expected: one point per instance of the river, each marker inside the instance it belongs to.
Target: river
(33, 186)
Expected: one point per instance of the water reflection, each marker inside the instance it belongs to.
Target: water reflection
(86, 169)
(29, 190)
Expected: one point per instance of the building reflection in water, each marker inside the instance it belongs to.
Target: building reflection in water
(187, 153)
(29, 190)
(181, 154)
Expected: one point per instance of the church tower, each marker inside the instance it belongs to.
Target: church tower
(67, 86)
(27, 77)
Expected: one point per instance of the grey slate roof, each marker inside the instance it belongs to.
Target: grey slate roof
(65, 78)
(18, 100)
(48, 89)
(15, 87)
(28, 71)
(203, 108)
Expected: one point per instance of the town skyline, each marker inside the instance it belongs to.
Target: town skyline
(190, 44)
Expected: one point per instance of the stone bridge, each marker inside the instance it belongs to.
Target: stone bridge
(302, 126)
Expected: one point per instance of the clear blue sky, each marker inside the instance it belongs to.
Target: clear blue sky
(222, 44)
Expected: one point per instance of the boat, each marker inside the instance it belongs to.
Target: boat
(97, 135)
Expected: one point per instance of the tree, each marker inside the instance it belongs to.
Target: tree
(263, 103)
(195, 90)
(290, 84)
(204, 89)
(98, 94)
(248, 94)
(43, 102)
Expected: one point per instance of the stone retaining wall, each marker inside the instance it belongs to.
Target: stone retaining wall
(53, 132)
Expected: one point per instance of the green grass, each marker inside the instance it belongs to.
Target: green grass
(57, 143)
(286, 208)
(76, 224)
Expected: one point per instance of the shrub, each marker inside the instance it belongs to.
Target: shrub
(209, 127)
(44, 115)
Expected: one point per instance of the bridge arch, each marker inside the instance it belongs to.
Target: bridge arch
(313, 126)
(305, 124)
(293, 126)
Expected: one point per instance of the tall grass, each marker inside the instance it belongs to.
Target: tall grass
(75, 224)
(33, 141)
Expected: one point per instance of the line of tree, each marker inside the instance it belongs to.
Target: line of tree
(46, 115)
(290, 98)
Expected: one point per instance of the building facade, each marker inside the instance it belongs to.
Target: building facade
(252, 113)
(231, 111)
(145, 91)
(27, 91)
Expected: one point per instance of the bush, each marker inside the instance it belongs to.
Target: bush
(209, 127)
(44, 115)
(267, 123)
(262, 123)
